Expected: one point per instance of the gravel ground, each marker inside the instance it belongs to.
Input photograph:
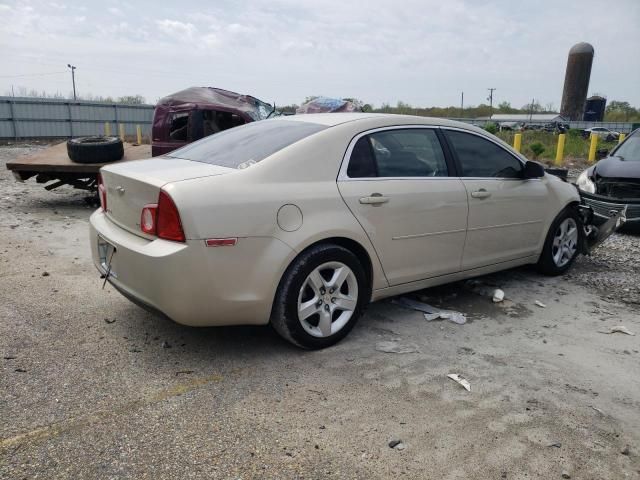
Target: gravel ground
(93, 387)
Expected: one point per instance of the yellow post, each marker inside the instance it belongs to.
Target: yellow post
(593, 147)
(139, 134)
(517, 141)
(107, 129)
(560, 149)
(121, 132)
(621, 138)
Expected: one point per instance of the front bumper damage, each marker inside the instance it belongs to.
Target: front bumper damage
(604, 207)
(594, 234)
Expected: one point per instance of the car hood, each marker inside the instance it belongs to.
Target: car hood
(614, 167)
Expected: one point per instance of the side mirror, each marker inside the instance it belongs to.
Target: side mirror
(533, 170)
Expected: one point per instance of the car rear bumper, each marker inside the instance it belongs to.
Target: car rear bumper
(191, 283)
(604, 207)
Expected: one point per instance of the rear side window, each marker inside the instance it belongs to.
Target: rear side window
(243, 146)
(178, 126)
(481, 158)
(414, 152)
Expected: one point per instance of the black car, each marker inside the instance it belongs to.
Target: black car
(614, 182)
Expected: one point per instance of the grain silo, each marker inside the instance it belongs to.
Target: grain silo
(576, 81)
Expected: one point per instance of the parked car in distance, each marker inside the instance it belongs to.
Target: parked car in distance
(614, 182)
(603, 133)
(301, 221)
(556, 127)
(197, 112)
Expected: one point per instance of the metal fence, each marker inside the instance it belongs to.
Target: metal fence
(50, 118)
(621, 127)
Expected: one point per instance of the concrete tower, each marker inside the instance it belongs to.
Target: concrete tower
(576, 81)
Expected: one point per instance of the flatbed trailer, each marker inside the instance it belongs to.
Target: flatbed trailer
(52, 166)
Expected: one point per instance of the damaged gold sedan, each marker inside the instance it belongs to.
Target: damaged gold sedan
(301, 221)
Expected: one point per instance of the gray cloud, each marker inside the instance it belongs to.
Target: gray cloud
(421, 52)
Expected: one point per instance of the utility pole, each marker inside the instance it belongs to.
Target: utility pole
(461, 104)
(73, 78)
(533, 100)
(490, 98)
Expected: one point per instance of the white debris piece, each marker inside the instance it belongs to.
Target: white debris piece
(395, 347)
(540, 304)
(619, 329)
(461, 380)
(431, 313)
(498, 296)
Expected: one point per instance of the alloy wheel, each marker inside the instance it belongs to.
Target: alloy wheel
(327, 299)
(565, 242)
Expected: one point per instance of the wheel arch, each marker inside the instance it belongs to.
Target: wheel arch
(350, 244)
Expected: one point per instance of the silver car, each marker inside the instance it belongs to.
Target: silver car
(302, 221)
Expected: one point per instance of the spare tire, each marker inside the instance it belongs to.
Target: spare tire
(95, 149)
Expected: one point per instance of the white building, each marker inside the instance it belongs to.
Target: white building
(526, 117)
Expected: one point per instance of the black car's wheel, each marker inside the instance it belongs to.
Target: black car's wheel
(95, 149)
(563, 243)
(320, 297)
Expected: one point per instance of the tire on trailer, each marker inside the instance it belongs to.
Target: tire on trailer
(95, 149)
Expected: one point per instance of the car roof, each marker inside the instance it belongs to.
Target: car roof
(333, 119)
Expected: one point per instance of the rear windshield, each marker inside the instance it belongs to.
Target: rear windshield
(243, 146)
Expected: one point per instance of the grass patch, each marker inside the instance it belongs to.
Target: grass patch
(575, 147)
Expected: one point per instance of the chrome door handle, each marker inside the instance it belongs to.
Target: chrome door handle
(374, 199)
(482, 193)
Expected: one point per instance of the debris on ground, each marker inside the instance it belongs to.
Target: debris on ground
(461, 380)
(597, 410)
(626, 451)
(498, 296)
(430, 312)
(184, 372)
(166, 345)
(20, 370)
(395, 347)
(109, 321)
(45, 274)
(618, 329)
(565, 474)
(540, 304)
(397, 445)
(555, 444)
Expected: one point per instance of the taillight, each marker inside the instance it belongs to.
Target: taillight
(102, 193)
(148, 218)
(168, 224)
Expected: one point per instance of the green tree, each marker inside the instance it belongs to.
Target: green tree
(132, 99)
(618, 111)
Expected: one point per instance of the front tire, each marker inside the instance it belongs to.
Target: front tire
(320, 297)
(563, 243)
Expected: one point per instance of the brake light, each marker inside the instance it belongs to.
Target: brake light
(102, 193)
(148, 218)
(168, 224)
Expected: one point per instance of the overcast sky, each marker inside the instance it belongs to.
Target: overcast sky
(421, 52)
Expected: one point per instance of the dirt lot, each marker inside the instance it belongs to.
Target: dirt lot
(94, 387)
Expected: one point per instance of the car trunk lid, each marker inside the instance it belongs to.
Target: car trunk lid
(132, 185)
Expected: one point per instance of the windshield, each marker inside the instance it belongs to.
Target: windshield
(241, 147)
(629, 150)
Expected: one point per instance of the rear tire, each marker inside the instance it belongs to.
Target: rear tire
(320, 297)
(563, 243)
(95, 149)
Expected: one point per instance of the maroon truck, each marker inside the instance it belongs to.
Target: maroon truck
(197, 112)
